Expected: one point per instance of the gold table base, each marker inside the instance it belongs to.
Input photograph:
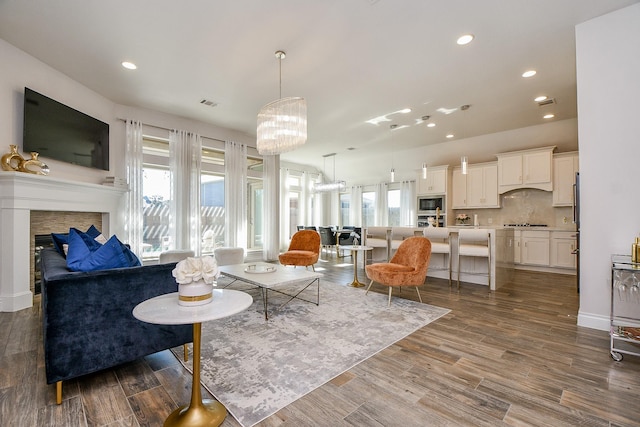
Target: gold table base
(198, 412)
(356, 283)
(207, 413)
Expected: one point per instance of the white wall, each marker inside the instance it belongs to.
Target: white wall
(20, 69)
(608, 73)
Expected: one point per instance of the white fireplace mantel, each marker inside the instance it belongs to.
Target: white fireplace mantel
(20, 193)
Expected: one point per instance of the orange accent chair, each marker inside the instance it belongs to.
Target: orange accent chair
(408, 267)
(304, 249)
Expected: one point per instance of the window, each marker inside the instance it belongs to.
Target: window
(393, 200)
(345, 202)
(156, 190)
(255, 194)
(368, 208)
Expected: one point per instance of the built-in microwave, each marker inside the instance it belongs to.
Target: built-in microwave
(428, 205)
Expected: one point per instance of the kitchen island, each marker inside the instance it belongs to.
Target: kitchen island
(475, 269)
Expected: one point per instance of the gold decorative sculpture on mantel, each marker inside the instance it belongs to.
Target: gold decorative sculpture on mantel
(13, 161)
(39, 168)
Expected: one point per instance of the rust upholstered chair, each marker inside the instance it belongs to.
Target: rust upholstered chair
(408, 267)
(304, 249)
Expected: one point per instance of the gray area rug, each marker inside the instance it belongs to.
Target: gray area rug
(255, 368)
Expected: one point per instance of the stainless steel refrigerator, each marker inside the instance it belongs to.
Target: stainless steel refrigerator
(576, 221)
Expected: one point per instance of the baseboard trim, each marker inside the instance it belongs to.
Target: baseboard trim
(594, 321)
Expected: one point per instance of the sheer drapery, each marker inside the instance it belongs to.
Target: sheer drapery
(133, 221)
(185, 154)
(408, 203)
(304, 202)
(381, 218)
(355, 206)
(271, 223)
(285, 209)
(235, 194)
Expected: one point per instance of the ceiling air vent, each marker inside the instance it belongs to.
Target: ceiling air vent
(547, 101)
(208, 103)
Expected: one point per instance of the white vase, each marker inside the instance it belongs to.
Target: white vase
(195, 293)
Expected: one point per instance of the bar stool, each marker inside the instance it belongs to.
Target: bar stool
(440, 244)
(475, 243)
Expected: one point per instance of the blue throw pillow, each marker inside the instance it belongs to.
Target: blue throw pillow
(112, 254)
(60, 239)
(93, 232)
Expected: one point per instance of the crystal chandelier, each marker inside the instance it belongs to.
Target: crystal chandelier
(282, 124)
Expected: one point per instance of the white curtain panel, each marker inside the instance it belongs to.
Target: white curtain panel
(271, 208)
(408, 204)
(235, 194)
(285, 209)
(382, 205)
(304, 202)
(133, 222)
(185, 153)
(355, 206)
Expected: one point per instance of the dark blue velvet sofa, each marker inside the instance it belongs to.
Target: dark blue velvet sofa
(87, 317)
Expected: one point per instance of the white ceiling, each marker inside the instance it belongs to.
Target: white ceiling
(352, 60)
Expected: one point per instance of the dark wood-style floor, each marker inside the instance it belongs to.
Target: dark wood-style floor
(512, 357)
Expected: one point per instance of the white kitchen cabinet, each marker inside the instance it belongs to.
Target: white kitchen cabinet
(477, 189)
(526, 169)
(459, 189)
(563, 244)
(565, 166)
(435, 183)
(535, 248)
(517, 245)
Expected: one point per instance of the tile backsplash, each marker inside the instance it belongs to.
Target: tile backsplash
(524, 206)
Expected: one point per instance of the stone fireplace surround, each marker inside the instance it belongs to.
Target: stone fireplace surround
(22, 193)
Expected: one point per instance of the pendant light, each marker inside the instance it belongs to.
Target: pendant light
(335, 185)
(463, 160)
(392, 176)
(282, 124)
(424, 171)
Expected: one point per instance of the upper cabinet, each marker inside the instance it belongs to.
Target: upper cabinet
(478, 188)
(526, 169)
(565, 167)
(435, 183)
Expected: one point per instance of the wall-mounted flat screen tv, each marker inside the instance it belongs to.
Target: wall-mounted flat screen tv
(59, 132)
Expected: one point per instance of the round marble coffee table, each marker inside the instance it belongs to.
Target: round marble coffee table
(165, 310)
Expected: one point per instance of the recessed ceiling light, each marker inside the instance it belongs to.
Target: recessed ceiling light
(540, 98)
(129, 65)
(466, 39)
(450, 136)
(548, 116)
(431, 125)
(404, 111)
(529, 73)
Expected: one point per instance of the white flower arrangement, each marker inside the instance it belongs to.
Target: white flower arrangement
(193, 270)
(462, 218)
